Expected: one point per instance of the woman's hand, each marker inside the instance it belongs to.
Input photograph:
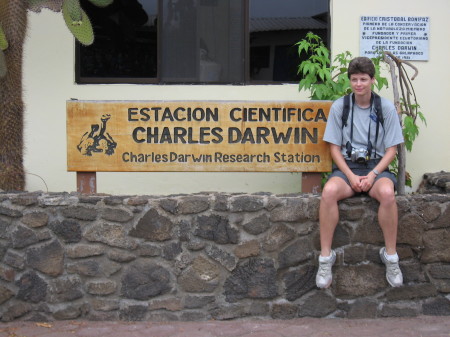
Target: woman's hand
(355, 183)
(367, 181)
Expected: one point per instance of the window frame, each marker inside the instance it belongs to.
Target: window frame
(80, 80)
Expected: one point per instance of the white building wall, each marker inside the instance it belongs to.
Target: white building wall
(49, 82)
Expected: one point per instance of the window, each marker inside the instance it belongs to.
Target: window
(198, 41)
(202, 41)
(274, 28)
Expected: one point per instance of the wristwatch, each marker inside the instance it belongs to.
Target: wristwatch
(376, 172)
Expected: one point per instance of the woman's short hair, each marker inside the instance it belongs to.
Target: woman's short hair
(361, 65)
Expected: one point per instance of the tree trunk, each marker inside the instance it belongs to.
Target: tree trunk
(13, 16)
(401, 175)
(401, 156)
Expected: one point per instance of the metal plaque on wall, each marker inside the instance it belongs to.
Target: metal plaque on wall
(407, 37)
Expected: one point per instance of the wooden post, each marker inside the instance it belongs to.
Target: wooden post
(87, 182)
(311, 182)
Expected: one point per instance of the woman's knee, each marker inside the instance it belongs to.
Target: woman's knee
(385, 192)
(331, 191)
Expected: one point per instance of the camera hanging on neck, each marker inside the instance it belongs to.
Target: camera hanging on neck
(361, 155)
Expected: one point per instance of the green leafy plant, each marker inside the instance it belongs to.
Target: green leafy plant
(324, 80)
(410, 132)
(394, 168)
(410, 127)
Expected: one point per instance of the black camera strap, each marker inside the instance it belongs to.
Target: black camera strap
(375, 101)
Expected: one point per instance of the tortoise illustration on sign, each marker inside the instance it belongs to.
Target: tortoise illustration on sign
(97, 139)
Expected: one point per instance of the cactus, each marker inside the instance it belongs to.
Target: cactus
(13, 19)
(13, 16)
(78, 22)
(3, 46)
(3, 40)
(101, 3)
(72, 9)
(2, 64)
(55, 5)
(33, 3)
(37, 5)
(74, 16)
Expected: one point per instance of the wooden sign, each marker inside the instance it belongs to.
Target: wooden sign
(197, 136)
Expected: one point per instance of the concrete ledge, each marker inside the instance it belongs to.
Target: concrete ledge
(213, 256)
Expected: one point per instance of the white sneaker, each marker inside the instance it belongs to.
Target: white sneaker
(324, 275)
(393, 273)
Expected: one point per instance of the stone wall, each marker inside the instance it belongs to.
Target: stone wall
(213, 256)
(438, 182)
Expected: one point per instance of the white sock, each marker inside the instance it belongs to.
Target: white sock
(391, 258)
(325, 258)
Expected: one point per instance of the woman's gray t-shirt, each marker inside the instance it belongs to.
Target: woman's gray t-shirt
(363, 120)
